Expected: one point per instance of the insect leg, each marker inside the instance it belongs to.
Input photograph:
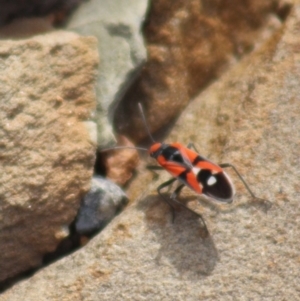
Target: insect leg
(174, 199)
(153, 169)
(167, 200)
(192, 145)
(176, 192)
(225, 165)
(174, 196)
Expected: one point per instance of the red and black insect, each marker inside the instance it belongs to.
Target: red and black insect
(191, 170)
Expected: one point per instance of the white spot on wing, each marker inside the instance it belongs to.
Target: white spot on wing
(196, 170)
(211, 181)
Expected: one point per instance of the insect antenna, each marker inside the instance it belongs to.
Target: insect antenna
(124, 147)
(133, 147)
(145, 121)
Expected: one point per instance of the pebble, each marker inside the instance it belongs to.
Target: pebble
(99, 206)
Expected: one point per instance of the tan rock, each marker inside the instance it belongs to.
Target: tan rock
(120, 163)
(46, 152)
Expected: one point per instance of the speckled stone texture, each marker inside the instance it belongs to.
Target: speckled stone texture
(250, 118)
(46, 151)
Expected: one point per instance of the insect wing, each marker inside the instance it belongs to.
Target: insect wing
(215, 182)
(187, 154)
(183, 174)
(196, 172)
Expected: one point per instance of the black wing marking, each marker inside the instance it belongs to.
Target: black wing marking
(217, 186)
(172, 154)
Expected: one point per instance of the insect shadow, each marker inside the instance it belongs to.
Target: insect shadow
(184, 243)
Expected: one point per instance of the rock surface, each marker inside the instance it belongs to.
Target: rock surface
(249, 118)
(121, 163)
(13, 9)
(117, 26)
(46, 151)
(25, 28)
(190, 43)
(99, 206)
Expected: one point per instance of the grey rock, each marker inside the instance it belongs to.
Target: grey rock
(104, 200)
(117, 26)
